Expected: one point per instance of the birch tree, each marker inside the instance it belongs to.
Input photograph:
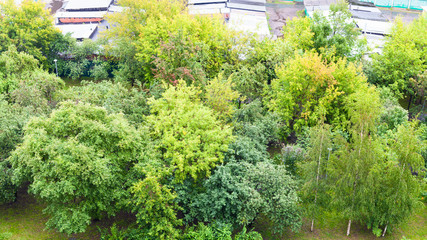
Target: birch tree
(353, 160)
(314, 191)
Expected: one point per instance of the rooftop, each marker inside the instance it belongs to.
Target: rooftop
(78, 31)
(87, 5)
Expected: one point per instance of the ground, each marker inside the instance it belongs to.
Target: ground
(415, 228)
(280, 11)
(24, 220)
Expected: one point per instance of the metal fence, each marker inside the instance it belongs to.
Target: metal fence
(409, 4)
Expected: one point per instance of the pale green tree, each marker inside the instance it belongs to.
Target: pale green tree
(404, 57)
(308, 89)
(77, 160)
(29, 27)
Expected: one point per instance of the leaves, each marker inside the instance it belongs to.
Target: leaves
(77, 160)
(189, 136)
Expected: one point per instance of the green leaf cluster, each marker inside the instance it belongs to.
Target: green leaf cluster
(77, 160)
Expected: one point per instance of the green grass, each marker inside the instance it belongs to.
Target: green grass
(24, 220)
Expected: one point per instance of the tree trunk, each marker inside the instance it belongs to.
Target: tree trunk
(312, 225)
(385, 229)
(317, 178)
(410, 101)
(348, 228)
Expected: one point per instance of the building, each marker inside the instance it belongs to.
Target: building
(248, 16)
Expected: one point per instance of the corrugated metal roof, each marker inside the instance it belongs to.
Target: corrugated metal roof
(364, 8)
(319, 2)
(114, 8)
(74, 5)
(205, 1)
(209, 11)
(368, 15)
(248, 22)
(89, 14)
(374, 27)
(249, 7)
(250, 2)
(206, 6)
(78, 31)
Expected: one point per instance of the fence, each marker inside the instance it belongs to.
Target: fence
(409, 4)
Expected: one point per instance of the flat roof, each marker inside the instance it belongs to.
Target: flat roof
(364, 8)
(205, 1)
(87, 4)
(319, 2)
(210, 11)
(206, 6)
(253, 2)
(374, 27)
(115, 8)
(78, 31)
(89, 14)
(249, 7)
(249, 23)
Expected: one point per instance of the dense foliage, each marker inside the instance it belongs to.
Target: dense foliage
(200, 132)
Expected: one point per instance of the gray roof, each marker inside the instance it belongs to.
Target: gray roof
(368, 15)
(374, 27)
(250, 2)
(82, 5)
(78, 31)
(206, 6)
(249, 22)
(209, 11)
(319, 2)
(250, 7)
(205, 1)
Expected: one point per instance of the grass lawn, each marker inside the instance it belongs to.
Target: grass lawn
(24, 220)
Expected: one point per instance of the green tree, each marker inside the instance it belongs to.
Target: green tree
(153, 200)
(298, 32)
(400, 188)
(189, 142)
(29, 27)
(10, 135)
(352, 162)
(14, 67)
(181, 59)
(84, 62)
(77, 160)
(314, 171)
(255, 129)
(146, 25)
(337, 33)
(238, 192)
(404, 57)
(220, 97)
(115, 97)
(309, 89)
(229, 197)
(190, 137)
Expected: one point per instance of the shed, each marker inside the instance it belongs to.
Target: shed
(249, 22)
(205, 1)
(78, 31)
(246, 6)
(374, 27)
(88, 5)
